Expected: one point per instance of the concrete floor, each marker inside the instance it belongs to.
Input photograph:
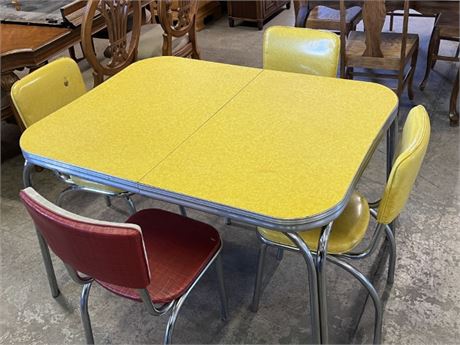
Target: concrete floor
(422, 306)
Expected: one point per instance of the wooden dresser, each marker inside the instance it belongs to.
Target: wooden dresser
(207, 9)
(254, 11)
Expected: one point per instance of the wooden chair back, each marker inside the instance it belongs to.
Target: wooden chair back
(122, 46)
(302, 9)
(178, 21)
(374, 13)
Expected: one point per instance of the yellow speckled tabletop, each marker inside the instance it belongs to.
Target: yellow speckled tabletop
(239, 141)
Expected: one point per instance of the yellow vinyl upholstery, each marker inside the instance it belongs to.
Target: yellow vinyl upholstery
(47, 89)
(347, 231)
(350, 227)
(301, 50)
(413, 146)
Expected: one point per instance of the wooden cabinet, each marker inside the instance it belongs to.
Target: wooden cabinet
(254, 11)
(206, 9)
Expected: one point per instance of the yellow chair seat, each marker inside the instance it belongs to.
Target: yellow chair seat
(347, 231)
(94, 185)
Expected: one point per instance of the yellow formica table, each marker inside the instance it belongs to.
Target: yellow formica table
(274, 149)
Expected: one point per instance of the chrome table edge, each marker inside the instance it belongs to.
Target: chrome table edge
(284, 225)
(83, 173)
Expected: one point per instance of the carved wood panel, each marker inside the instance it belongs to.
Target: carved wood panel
(122, 47)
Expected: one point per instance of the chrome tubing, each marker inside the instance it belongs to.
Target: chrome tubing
(259, 277)
(392, 259)
(52, 281)
(374, 295)
(313, 285)
(321, 256)
(85, 314)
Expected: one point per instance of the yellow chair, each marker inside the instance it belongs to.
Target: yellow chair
(301, 50)
(350, 228)
(44, 91)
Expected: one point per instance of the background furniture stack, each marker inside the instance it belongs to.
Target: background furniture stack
(254, 11)
(319, 15)
(377, 50)
(446, 28)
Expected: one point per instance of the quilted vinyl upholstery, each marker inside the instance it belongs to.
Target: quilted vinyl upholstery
(178, 249)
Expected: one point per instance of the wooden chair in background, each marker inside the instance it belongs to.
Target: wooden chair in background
(379, 51)
(123, 42)
(175, 35)
(446, 27)
(313, 15)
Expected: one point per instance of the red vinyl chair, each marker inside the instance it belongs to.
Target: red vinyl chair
(156, 257)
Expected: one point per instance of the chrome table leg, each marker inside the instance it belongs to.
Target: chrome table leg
(321, 274)
(391, 150)
(313, 285)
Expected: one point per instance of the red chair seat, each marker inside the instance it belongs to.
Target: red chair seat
(177, 248)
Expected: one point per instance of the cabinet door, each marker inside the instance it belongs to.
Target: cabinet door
(269, 6)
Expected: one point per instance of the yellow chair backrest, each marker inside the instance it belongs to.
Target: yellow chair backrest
(47, 89)
(413, 146)
(301, 50)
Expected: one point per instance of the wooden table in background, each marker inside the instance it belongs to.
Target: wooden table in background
(30, 46)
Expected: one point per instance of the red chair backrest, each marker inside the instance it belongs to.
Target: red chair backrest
(110, 252)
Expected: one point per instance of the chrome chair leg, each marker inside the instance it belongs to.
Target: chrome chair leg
(374, 295)
(183, 212)
(321, 257)
(64, 192)
(48, 265)
(392, 259)
(130, 203)
(54, 287)
(222, 292)
(84, 313)
(172, 320)
(259, 277)
(279, 254)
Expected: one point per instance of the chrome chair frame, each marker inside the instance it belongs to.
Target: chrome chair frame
(316, 275)
(174, 305)
(72, 186)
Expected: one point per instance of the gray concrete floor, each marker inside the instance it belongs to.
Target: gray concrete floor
(422, 306)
